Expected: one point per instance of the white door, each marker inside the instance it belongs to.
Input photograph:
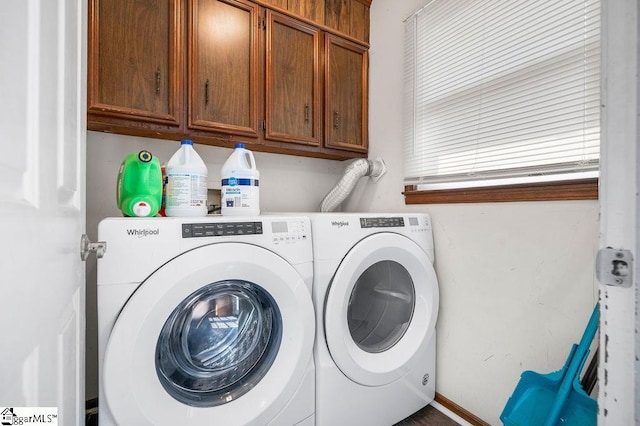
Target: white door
(42, 213)
(619, 395)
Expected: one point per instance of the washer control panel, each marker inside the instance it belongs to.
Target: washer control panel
(289, 231)
(220, 229)
(280, 231)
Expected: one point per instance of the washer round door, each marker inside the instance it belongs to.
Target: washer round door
(381, 308)
(220, 334)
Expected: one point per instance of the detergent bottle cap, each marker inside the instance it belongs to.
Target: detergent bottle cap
(145, 156)
(186, 142)
(240, 145)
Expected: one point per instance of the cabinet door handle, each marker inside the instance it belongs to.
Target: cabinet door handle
(306, 113)
(206, 93)
(336, 120)
(158, 81)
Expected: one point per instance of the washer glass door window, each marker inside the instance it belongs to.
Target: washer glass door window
(218, 343)
(381, 306)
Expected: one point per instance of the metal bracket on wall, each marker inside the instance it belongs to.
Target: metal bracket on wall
(87, 247)
(614, 267)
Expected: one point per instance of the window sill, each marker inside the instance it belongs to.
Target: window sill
(585, 189)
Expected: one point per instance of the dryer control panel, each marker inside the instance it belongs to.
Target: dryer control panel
(420, 224)
(381, 222)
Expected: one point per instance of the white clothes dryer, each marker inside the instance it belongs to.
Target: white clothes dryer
(206, 321)
(376, 299)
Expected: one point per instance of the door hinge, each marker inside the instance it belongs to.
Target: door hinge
(87, 247)
(614, 267)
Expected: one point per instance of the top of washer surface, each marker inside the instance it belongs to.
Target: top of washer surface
(143, 244)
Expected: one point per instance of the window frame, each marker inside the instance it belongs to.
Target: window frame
(582, 189)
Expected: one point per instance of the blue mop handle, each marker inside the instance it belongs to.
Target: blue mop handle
(578, 360)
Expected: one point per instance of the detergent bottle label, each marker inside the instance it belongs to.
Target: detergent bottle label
(240, 193)
(198, 190)
(187, 189)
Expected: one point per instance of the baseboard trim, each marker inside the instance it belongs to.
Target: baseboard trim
(459, 411)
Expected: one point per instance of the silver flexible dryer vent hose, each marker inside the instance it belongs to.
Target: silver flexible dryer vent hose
(354, 171)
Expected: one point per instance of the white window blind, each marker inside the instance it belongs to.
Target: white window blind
(501, 89)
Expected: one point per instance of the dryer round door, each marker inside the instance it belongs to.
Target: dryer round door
(220, 334)
(381, 307)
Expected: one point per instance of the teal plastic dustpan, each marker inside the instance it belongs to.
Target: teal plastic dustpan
(555, 398)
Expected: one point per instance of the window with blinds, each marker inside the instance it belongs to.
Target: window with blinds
(501, 91)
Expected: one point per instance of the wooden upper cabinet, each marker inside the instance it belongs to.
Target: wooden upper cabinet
(359, 20)
(350, 17)
(282, 4)
(336, 15)
(286, 76)
(135, 59)
(224, 69)
(309, 9)
(293, 103)
(346, 95)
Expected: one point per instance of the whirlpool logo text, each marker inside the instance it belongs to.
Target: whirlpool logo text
(141, 233)
(339, 223)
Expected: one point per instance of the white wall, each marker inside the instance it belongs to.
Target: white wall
(287, 183)
(516, 280)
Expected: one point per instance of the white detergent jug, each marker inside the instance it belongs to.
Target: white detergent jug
(240, 195)
(186, 190)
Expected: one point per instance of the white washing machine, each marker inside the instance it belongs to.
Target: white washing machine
(206, 321)
(376, 299)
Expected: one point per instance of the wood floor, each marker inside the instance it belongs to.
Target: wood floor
(428, 416)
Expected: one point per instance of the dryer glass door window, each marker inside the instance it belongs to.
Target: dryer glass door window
(380, 309)
(381, 306)
(218, 343)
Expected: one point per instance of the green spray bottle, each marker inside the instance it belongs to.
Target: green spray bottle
(139, 190)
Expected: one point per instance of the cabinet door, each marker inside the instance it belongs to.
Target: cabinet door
(345, 95)
(135, 60)
(223, 66)
(293, 81)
